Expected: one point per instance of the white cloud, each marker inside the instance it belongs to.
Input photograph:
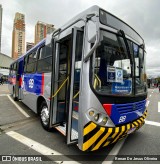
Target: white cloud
(141, 15)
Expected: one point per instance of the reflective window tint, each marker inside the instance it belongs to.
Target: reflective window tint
(45, 65)
(112, 66)
(25, 63)
(30, 62)
(113, 72)
(42, 53)
(31, 67)
(32, 57)
(45, 59)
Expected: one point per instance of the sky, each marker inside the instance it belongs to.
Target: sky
(142, 15)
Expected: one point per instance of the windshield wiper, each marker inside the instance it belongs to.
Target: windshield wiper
(127, 46)
(131, 58)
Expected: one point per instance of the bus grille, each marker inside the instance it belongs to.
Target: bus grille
(130, 107)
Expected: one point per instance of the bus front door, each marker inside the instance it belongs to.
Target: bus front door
(66, 84)
(74, 85)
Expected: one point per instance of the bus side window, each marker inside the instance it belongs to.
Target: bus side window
(42, 53)
(78, 62)
(11, 70)
(32, 60)
(44, 63)
(14, 68)
(25, 64)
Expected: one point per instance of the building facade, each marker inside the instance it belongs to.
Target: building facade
(1, 11)
(29, 46)
(41, 30)
(5, 62)
(18, 36)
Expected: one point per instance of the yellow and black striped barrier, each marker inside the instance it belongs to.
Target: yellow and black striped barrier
(95, 136)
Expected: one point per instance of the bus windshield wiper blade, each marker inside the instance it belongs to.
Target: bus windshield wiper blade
(126, 43)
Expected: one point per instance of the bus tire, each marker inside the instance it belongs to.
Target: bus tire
(14, 95)
(44, 116)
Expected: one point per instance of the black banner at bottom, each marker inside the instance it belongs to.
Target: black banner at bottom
(38, 158)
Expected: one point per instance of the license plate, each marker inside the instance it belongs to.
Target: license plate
(131, 130)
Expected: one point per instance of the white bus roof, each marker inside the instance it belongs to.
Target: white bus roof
(92, 10)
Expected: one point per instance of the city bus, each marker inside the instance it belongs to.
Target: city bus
(87, 79)
(15, 80)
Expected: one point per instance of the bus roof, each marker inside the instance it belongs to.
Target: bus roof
(94, 9)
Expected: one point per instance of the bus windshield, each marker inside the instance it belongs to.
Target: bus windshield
(112, 69)
(112, 21)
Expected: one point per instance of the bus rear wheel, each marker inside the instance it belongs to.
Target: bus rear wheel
(14, 95)
(44, 116)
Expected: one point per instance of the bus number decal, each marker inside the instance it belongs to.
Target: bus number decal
(122, 119)
(31, 83)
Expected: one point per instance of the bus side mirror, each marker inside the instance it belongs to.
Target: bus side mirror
(91, 30)
(93, 35)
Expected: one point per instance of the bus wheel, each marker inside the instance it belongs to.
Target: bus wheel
(44, 116)
(14, 95)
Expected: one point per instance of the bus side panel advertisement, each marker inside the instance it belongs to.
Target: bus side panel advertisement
(32, 83)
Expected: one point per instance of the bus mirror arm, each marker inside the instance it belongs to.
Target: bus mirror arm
(89, 16)
(56, 31)
(142, 46)
(96, 44)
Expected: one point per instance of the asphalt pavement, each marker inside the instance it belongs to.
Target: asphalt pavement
(21, 135)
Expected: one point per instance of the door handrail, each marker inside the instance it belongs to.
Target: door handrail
(76, 95)
(55, 94)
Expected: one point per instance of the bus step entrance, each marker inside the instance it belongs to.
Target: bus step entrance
(75, 115)
(62, 129)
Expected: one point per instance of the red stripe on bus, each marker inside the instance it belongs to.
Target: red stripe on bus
(20, 81)
(42, 86)
(108, 108)
(76, 108)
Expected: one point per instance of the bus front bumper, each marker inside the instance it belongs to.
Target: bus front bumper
(95, 136)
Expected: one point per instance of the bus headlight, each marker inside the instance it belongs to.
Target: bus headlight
(99, 118)
(96, 117)
(105, 119)
(91, 113)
